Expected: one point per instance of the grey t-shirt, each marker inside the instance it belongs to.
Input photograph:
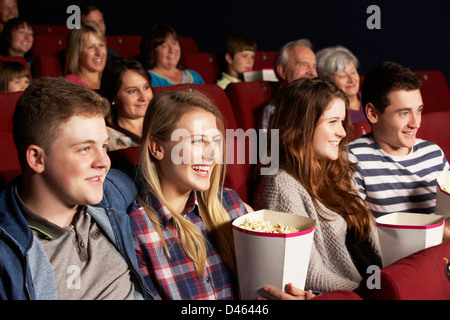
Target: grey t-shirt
(86, 265)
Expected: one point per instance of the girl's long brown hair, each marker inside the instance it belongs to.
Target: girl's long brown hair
(299, 107)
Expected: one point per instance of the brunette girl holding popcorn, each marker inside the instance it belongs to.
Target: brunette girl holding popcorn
(315, 179)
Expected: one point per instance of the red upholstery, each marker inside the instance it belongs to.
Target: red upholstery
(339, 295)
(421, 275)
(204, 63)
(47, 66)
(188, 44)
(9, 162)
(127, 45)
(48, 44)
(246, 98)
(359, 129)
(49, 29)
(264, 59)
(435, 128)
(18, 59)
(435, 91)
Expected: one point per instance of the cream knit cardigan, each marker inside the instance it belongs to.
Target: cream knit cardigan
(330, 267)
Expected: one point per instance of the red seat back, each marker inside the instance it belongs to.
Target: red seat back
(48, 45)
(9, 161)
(434, 128)
(434, 90)
(264, 59)
(420, 276)
(47, 66)
(246, 98)
(50, 29)
(204, 63)
(128, 46)
(360, 129)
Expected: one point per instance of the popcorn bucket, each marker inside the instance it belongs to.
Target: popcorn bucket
(443, 194)
(402, 234)
(273, 259)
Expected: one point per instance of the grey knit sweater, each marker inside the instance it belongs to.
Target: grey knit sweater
(331, 266)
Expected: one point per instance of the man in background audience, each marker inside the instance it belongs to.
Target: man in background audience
(294, 60)
(8, 10)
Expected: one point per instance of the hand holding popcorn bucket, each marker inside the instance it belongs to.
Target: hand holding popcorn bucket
(272, 248)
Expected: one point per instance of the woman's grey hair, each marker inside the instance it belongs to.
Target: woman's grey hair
(334, 60)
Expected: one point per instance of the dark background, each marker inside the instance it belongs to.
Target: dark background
(413, 33)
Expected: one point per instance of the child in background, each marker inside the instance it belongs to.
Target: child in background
(14, 76)
(239, 57)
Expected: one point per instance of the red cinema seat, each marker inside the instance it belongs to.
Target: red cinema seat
(188, 44)
(246, 98)
(128, 46)
(435, 128)
(264, 59)
(48, 45)
(424, 275)
(204, 63)
(9, 162)
(360, 129)
(47, 66)
(434, 90)
(50, 29)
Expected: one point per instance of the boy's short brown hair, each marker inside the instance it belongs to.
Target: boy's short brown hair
(235, 44)
(48, 103)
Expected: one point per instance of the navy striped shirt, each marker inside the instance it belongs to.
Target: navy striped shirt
(397, 184)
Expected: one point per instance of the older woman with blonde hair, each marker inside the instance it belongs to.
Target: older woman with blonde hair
(85, 56)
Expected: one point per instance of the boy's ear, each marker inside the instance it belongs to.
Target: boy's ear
(156, 149)
(228, 58)
(372, 113)
(35, 158)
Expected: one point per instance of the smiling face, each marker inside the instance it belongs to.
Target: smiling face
(187, 163)
(395, 129)
(168, 54)
(133, 95)
(93, 54)
(347, 80)
(330, 131)
(301, 64)
(21, 40)
(76, 164)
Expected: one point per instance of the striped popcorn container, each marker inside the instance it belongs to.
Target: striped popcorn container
(272, 248)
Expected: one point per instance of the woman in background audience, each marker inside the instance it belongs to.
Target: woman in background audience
(14, 76)
(127, 86)
(161, 53)
(315, 179)
(339, 65)
(17, 39)
(85, 56)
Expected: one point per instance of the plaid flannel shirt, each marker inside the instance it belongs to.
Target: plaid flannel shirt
(175, 278)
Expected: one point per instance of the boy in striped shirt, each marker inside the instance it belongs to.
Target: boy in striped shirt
(395, 171)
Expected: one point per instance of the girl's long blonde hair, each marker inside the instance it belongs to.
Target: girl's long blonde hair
(162, 115)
